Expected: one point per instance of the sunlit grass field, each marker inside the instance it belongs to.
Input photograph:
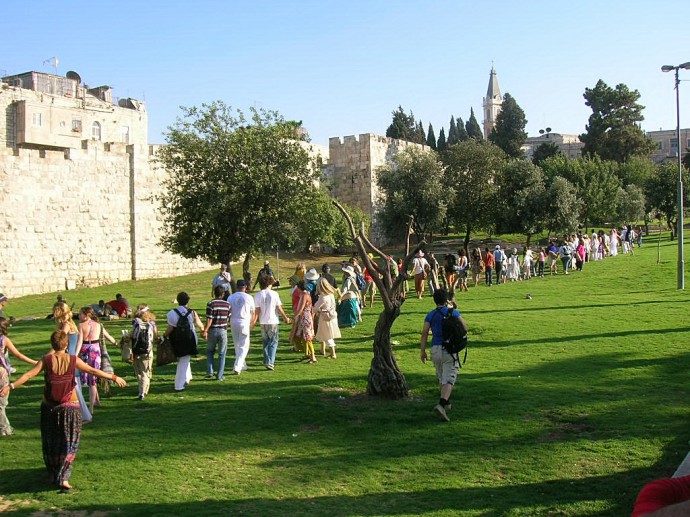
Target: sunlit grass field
(568, 403)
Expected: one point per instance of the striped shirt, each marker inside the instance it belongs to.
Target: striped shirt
(218, 311)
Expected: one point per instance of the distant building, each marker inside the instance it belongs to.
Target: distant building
(492, 103)
(569, 145)
(667, 143)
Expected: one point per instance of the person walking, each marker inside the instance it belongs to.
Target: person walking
(144, 333)
(489, 263)
(6, 346)
(420, 268)
(445, 364)
(325, 310)
(304, 323)
(61, 417)
(216, 332)
(241, 314)
(267, 307)
(182, 322)
(499, 259)
(91, 331)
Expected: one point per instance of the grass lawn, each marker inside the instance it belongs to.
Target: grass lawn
(568, 403)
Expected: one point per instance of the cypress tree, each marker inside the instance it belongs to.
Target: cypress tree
(431, 137)
(472, 126)
(452, 132)
(441, 144)
(462, 132)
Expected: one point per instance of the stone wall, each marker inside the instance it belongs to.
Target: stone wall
(82, 214)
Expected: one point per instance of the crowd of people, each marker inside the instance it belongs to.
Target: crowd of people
(321, 305)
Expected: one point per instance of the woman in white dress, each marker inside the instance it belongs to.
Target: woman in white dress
(325, 310)
(527, 262)
(513, 267)
(594, 247)
(614, 242)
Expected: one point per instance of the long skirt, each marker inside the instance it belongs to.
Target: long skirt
(91, 355)
(60, 433)
(348, 313)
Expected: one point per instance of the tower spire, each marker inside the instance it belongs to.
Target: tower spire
(492, 102)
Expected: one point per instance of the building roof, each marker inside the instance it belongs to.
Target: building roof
(493, 90)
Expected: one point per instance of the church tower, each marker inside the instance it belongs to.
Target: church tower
(492, 104)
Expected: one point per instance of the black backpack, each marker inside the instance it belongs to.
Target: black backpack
(182, 338)
(141, 340)
(453, 335)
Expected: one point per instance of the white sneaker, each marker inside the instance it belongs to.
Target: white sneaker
(441, 412)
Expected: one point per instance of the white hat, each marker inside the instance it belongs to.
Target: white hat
(419, 254)
(348, 270)
(498, 246)
(311, 274)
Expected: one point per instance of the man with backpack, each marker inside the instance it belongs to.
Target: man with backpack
(449, 336)
(181, 323)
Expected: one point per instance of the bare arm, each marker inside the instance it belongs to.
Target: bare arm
(282, 313)
(81, 365)
(10, 346)
(107, 336)
(28, 375)
(168, 330)
(197, 321)
(301, 304)
(255, 316)
(423, 341)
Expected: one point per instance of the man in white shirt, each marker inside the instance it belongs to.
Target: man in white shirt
(268, 305)
(241, 315)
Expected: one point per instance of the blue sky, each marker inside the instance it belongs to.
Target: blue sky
(343, 67)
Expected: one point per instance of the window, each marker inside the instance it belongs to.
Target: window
(96, 131)
(76, 125)
(124, 134)
(37, 119)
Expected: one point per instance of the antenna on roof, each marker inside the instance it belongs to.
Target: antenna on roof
(53, 61)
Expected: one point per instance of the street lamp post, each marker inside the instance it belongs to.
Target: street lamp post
(679, 232)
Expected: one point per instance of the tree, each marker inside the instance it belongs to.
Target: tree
(403, 126)
(403, 194)
(419, 135)
(472, 127)
(452, 132)
(462, 132)
(431, 137)
(441, 146)
(635, 171)
(231, 178)
(686, 159)
(544, 151)
(509, 133)
(471, 169)
(562, 207)
(385, 378)
(596, 182)
(520, 199)
(613, 131)
(631, 204)
(661, 193)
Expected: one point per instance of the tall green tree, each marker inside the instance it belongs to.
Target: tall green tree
(471, 170)
(232, 182)
(686, 159)
(403, 194)
(452, 132)
(509, 133)
(403, 126)
(631, 204)
(462, 132)
(563, 207)
(635, 171)
(441, 145)
(613, 131)
(472, 127)
(420, 135)
(520, 199)
(543, 151)
(431, 137)
(597, 185)
(661, 194)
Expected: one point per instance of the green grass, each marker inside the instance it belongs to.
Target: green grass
(569, 402)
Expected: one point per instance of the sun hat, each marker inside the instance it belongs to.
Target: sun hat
(349, 270)
(311, 274)
(419, 254)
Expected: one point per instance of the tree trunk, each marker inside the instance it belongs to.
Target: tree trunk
(529, 239)
(466, 242)
(246, 274)
(385, 378)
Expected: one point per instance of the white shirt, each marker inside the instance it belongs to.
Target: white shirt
(419, 264)
(241, 309)
(173, 318)
(268, 301)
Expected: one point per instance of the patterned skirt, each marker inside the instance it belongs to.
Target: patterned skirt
(60, 433)
(91, 355)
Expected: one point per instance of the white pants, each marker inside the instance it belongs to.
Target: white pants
(240, 338)
(183, 374)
